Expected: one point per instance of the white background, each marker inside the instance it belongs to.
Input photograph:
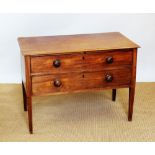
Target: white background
(138, 27)
(76, 6)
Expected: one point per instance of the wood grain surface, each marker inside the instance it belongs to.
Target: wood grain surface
(44, 64)
(88, 61)
(74, 43)
(77, 63)
(80, 81)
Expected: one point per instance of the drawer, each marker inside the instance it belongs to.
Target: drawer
(89, 61)
(80, 81)
(56, 64)
(107, 59)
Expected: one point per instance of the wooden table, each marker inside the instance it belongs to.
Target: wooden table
(77, 63)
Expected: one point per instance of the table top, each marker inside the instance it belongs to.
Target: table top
(74, 43)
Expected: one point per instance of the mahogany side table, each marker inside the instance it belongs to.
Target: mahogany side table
(77, 63)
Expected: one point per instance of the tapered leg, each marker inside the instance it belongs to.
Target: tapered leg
(24, 97)
(29, 103)
(131, 102)
(113, 94)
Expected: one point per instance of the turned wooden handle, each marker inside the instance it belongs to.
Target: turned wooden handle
(109, 78)
(57, 83)
(57, 63)
(109, 59)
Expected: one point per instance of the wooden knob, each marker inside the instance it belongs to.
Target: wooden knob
(57, 83)
(56, 63)
(108, 78)
(109, 60)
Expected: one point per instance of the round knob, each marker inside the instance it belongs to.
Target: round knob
(57, 83)
(56, 63)
(108, 78)
(109, 60)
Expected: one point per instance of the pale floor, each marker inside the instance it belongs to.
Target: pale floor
(90, 116)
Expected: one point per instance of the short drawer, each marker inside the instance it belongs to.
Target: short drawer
(107, 59)
(56, 64)
(80, 81)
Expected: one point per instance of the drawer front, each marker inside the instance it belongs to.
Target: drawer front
(56, 64)
(107, 59)
(80, 81)
(89, 61)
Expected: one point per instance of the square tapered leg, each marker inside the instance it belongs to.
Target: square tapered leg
(113, 94)
(24, 97)
(131, 102)
(29, 103)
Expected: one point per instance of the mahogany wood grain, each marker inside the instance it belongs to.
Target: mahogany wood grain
(28, 90)
(98, 60)
(132, 86)
(74, 43)
(68, 63)
(79, 81)
(77, 63)
(29, 102)
(89, 61)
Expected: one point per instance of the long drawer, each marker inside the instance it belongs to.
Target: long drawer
(47, 84)
(88, 61)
